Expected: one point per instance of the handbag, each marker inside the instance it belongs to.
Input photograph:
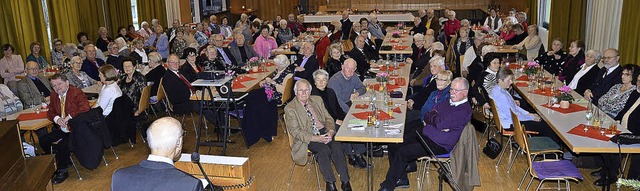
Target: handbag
(492, 148)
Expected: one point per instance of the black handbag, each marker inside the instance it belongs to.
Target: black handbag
(626, 139)
(492, 148)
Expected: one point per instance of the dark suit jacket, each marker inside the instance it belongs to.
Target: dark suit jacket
(91, 69)
(310, 67)
(116, 61)
(362, 60)
(229, 55)
(89, 137)
(154, 76)
(178, 93)
(601, 85)
(248, 49)
(215, 28)
(152, 175)
(587, 80)
(188, 72)
(75, 103)
(346, 28)
(422, 95)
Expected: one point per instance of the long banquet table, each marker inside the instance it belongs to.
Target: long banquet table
(562, 123)
(405, 17)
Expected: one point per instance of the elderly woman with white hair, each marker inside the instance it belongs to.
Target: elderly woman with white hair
(123, 47)
(278, 78)
(283, 33)
(588, 72)
(78, 78)
(103, 40)
(532, 43)
(375, 27)
(145, 31)
(320, 80)
(322, 45)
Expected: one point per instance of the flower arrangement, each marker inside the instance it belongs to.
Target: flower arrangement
(399, 25)
(268, 89)
(253, 61)
(635, 184)
(382, 77)
(396, 34)
(531, 68)
(230, 73)
(565, 94)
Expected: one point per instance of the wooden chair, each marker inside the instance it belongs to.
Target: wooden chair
(143, 105)
(538, 145)
(160, 96)
(293, 163)
(170, 109)
(503, 133)
(287, 95)
(563, 170)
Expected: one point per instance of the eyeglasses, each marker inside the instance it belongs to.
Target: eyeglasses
(442, 80)
(456, 90)
(626, 74)
(32, 68)
(609, 57)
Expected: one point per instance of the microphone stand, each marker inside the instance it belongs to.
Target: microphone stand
(195, 156)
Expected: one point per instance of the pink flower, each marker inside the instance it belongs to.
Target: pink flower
(396, 32)
(532, 64)
(382, 74)
(565, 89)
(399, 24)
(253, 59)
(229, 73)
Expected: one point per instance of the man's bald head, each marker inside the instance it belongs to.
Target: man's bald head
(165, 137)
(32, 68)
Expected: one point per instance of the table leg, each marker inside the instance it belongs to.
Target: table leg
(370, 167)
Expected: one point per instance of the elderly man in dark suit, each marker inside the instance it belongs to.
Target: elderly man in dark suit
(223, 52)
(312, 128)
(91, 64)
(608, 76)
(241, 50)
(157, 172)
(429, 21)
(66, 103)
(307, 64)
(361, 56)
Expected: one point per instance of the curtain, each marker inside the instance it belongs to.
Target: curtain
(63, 20)
(173, 12)
(152, 9)
(603, 24)
(532, 13)
(23, 23)
(629, 46)
(91, 17)
(118, 15)
(567, 20)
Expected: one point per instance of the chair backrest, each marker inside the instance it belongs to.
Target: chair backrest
(496, 117)
(517, 130)
(160, 94)
(288, 91)
(169, 104)
(144, 99)
(284, 116)
(461, 66)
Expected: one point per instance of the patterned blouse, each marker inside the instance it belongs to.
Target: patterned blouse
(9, 102)
(613, 101)
(134, 88)
(178, 47)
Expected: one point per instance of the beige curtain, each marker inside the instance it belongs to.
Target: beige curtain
(21, 23)
(603, 24)
(173, 12)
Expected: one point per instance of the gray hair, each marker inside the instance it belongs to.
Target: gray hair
(70, 49)
(282, 21)
(303, 81)
(154, 57)
(437, 46)
(281, 60)
(429, 38)
(465, 83)
(164, 134)
(437, 60)
(595, 54)
(320, 72)
(418, 36)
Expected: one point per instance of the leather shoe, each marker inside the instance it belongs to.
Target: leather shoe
(411, 167)
(352, 160)
(605, 181)
(402, 183)
(360, 162)
(59, 177)
(597, 173)
(331, 186)
(346, 186)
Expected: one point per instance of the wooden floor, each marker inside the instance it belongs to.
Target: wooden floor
(271, 164)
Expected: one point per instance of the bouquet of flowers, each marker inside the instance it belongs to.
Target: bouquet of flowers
(396, 34)
(382, 77)
(253, 61)
(532, 69)
(565, 94)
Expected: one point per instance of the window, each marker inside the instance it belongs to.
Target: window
(134, 13)
(45, 11)
(544, 12)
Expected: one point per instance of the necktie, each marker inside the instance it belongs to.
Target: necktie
(314, 129)
(184, 80)
(62, 104)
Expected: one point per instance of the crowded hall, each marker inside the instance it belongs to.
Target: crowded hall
(248, 95)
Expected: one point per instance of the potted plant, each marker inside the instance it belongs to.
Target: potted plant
(531, 69)
(396, 34)
(564, 97)
(382, 78)
(254, 64)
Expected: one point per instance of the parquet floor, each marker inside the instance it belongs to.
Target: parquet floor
(271, 163)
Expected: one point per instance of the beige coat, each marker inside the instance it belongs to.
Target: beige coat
(299, 125)
(464, 160)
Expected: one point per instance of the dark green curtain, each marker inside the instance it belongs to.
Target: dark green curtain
(532, 11)
(118, 15)
(91, 17)
(21, 23)
(568, 18)
(629, 45)
(64, 20)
